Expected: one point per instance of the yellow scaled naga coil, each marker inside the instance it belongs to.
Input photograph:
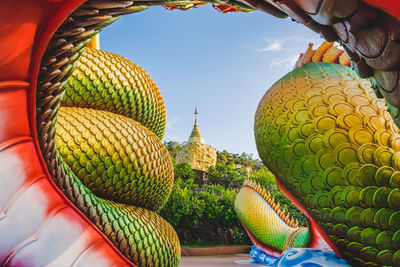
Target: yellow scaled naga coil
(332, 144)
(109, 132)
(335, 150)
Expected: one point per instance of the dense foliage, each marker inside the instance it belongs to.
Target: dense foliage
(205, 215)
(172, 147)
(183, 170)
(244, 159)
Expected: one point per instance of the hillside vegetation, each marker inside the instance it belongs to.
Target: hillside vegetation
(204, 215)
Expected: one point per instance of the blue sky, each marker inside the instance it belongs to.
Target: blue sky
(224, 63)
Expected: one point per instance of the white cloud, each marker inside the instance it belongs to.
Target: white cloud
(286, 44)
(273, 45)
(285, 52)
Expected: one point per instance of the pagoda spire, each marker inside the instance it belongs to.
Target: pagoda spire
(195, 136)
(195, 114)
(196, 153)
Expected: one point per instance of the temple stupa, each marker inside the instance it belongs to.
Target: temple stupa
(197, 154)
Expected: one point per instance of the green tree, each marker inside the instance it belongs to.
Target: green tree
(204, 216)
(184, 171)
(172, 147)
(221, 175)
(221, 158)
(263, 177)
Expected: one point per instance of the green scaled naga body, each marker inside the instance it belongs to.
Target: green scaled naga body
(109, 130)
(334, 148)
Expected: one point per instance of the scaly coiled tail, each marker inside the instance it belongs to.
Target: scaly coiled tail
(109, 132)
(267, 225)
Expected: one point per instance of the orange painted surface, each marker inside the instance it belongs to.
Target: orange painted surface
(13, 111)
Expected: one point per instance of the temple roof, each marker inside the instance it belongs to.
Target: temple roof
(195, 136)
(197, 154)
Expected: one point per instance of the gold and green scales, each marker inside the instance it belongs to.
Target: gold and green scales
(328, 139)
(320, 129)
(109, 130)
(265, 222)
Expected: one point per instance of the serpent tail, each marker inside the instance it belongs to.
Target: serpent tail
(268, 226)
(109, 126)
(254, 207)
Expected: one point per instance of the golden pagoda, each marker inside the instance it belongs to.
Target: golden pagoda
(197, 154)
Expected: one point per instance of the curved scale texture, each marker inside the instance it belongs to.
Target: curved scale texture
(107, 152)
(136, 232)
(115, 157)
(34, 216)
(34, 212)
(330, 142)
(267, 225)
(122, 167)
(106, 81)
(368, 30)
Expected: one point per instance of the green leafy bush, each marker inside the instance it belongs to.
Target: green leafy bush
(204, 216)
(184, 171)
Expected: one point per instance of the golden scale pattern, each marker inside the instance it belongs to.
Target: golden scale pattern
(67, 45)
(285, 216)
(130, 229)
(265, 226)
(142, 234)
(110, 82)
(332, 143)
(120, 160)
(115, 157)
(326, 52)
